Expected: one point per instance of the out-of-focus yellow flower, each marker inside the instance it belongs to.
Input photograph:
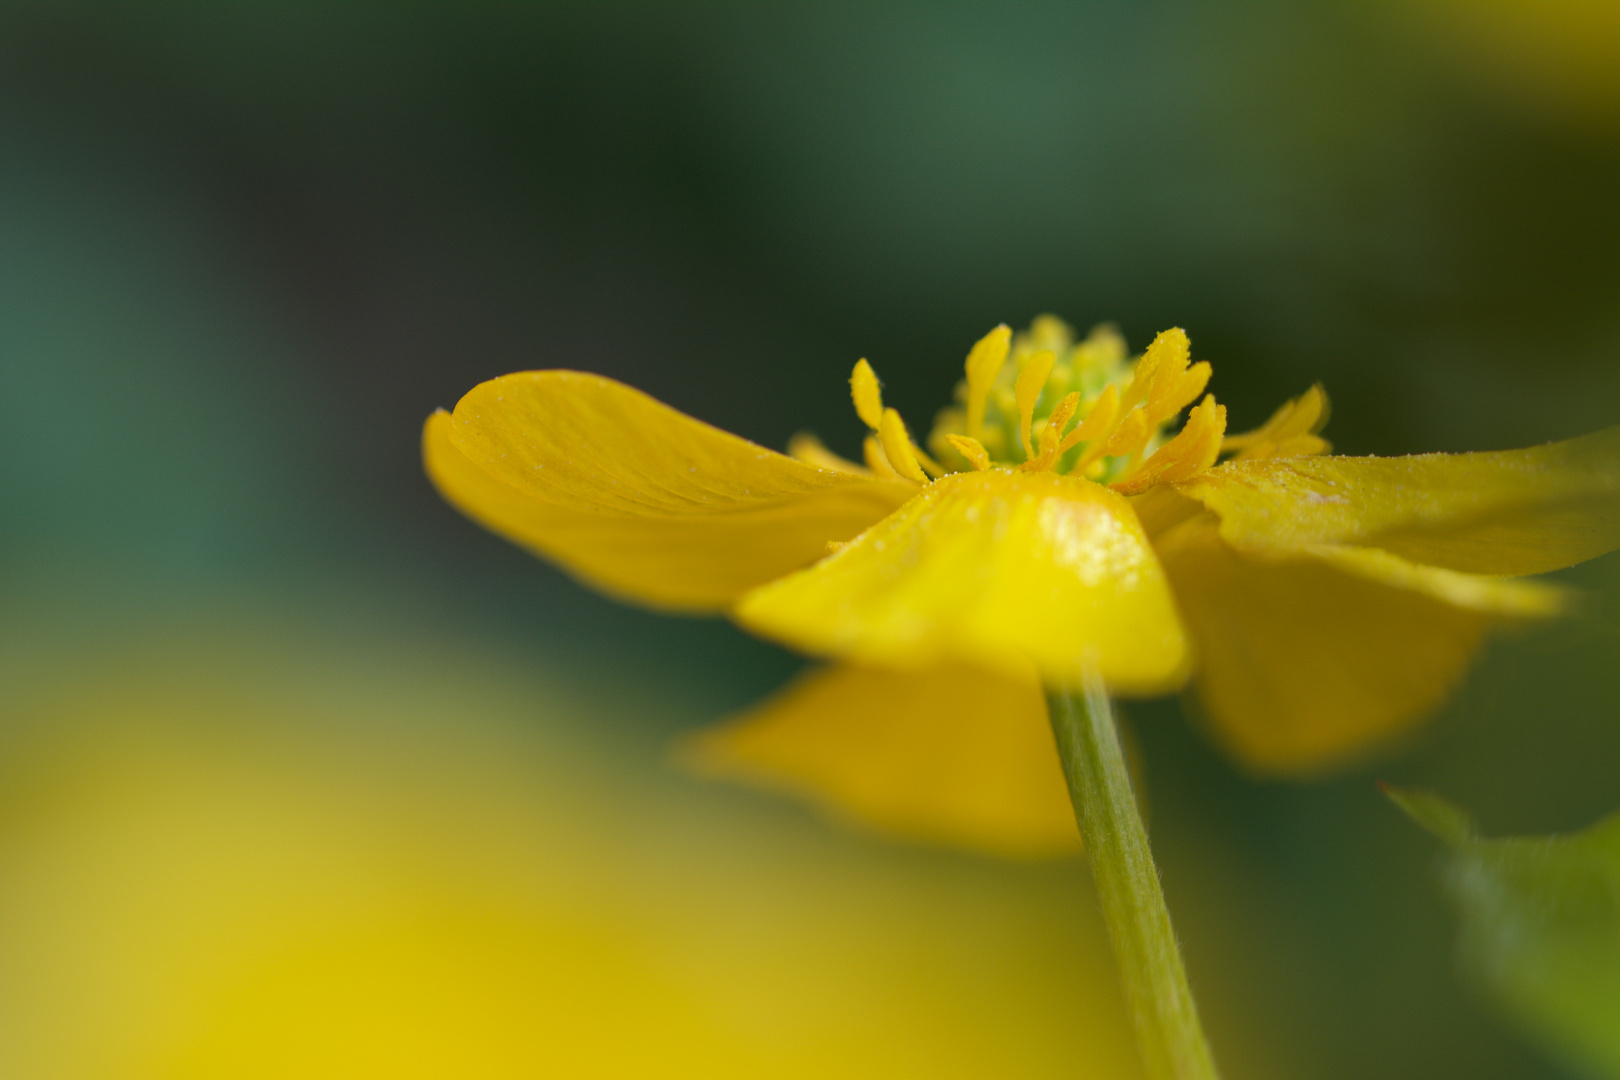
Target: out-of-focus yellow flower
(1324, 603)
(1559, 58)
(253, 846)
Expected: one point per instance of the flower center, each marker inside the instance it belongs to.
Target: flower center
(1080, 408)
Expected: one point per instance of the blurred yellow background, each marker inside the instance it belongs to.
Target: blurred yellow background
(242, 846)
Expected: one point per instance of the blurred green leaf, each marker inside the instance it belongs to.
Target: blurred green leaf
(1540, 926)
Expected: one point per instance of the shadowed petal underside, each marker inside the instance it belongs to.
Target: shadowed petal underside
(952, 755)
(1305, 662)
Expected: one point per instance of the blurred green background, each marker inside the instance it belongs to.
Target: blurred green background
(303, 774)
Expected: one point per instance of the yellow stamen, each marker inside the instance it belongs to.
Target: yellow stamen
(1052, 433)
(1102, 349)
(1299, 446)
(1049, 434)
(929, 465)
(863, 387)
(1027, 392)
(872, 449)
(971, 449)
(1291, 431)
(1165, 385)
(1172, 394)
(897, 447)
(1188, 454)
(984, 363)
(1130, 437)
(1098, 422)
(1169, 350)
(810, 450)
(1123, 431)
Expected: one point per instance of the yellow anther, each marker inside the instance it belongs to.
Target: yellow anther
(1315, 409)
(1301, 446)
(1098, 423)
(1208, 424)
(1164, 397)
(1188, 454)
(984, 363)
(1027, 392)
(872, 450)
(897, 447)
(1103, 348)
(929, 465)
(812, 451)
(1130, 436)
(1050, 332)
(1169, 350)
(1171, 395)
(863, 387)
(971, 449)
(1291, 431)
(1052, 433)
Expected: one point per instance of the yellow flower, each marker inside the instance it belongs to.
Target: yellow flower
(1053, 526)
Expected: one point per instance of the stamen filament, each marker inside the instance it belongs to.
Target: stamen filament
(984, 363)
(1291, 431)
(897, 447)
(929, 465)
(1027, 392)
(872, 450)
(1130, 436)
(1121, 434)
(1049, 434)
(812, 451)
(1188, 454)
(864, 389)
(971, 449)
(1052, 434)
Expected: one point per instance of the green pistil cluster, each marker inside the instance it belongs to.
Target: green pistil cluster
(1088, 366)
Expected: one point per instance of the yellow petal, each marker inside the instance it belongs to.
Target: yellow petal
(951, 755)
(1508, 512)
(1507, 597)
(1312, 661)
(635, 498)
(995, 568)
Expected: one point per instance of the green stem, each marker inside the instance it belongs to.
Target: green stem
(1156, 992)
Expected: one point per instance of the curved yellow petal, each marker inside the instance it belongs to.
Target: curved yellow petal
(1515, 598)
(951, 755)
(1311, 661)
(999, 569)
(1507, 512)
(636, 498)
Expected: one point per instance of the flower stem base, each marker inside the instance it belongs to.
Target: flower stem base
(1155, 983)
